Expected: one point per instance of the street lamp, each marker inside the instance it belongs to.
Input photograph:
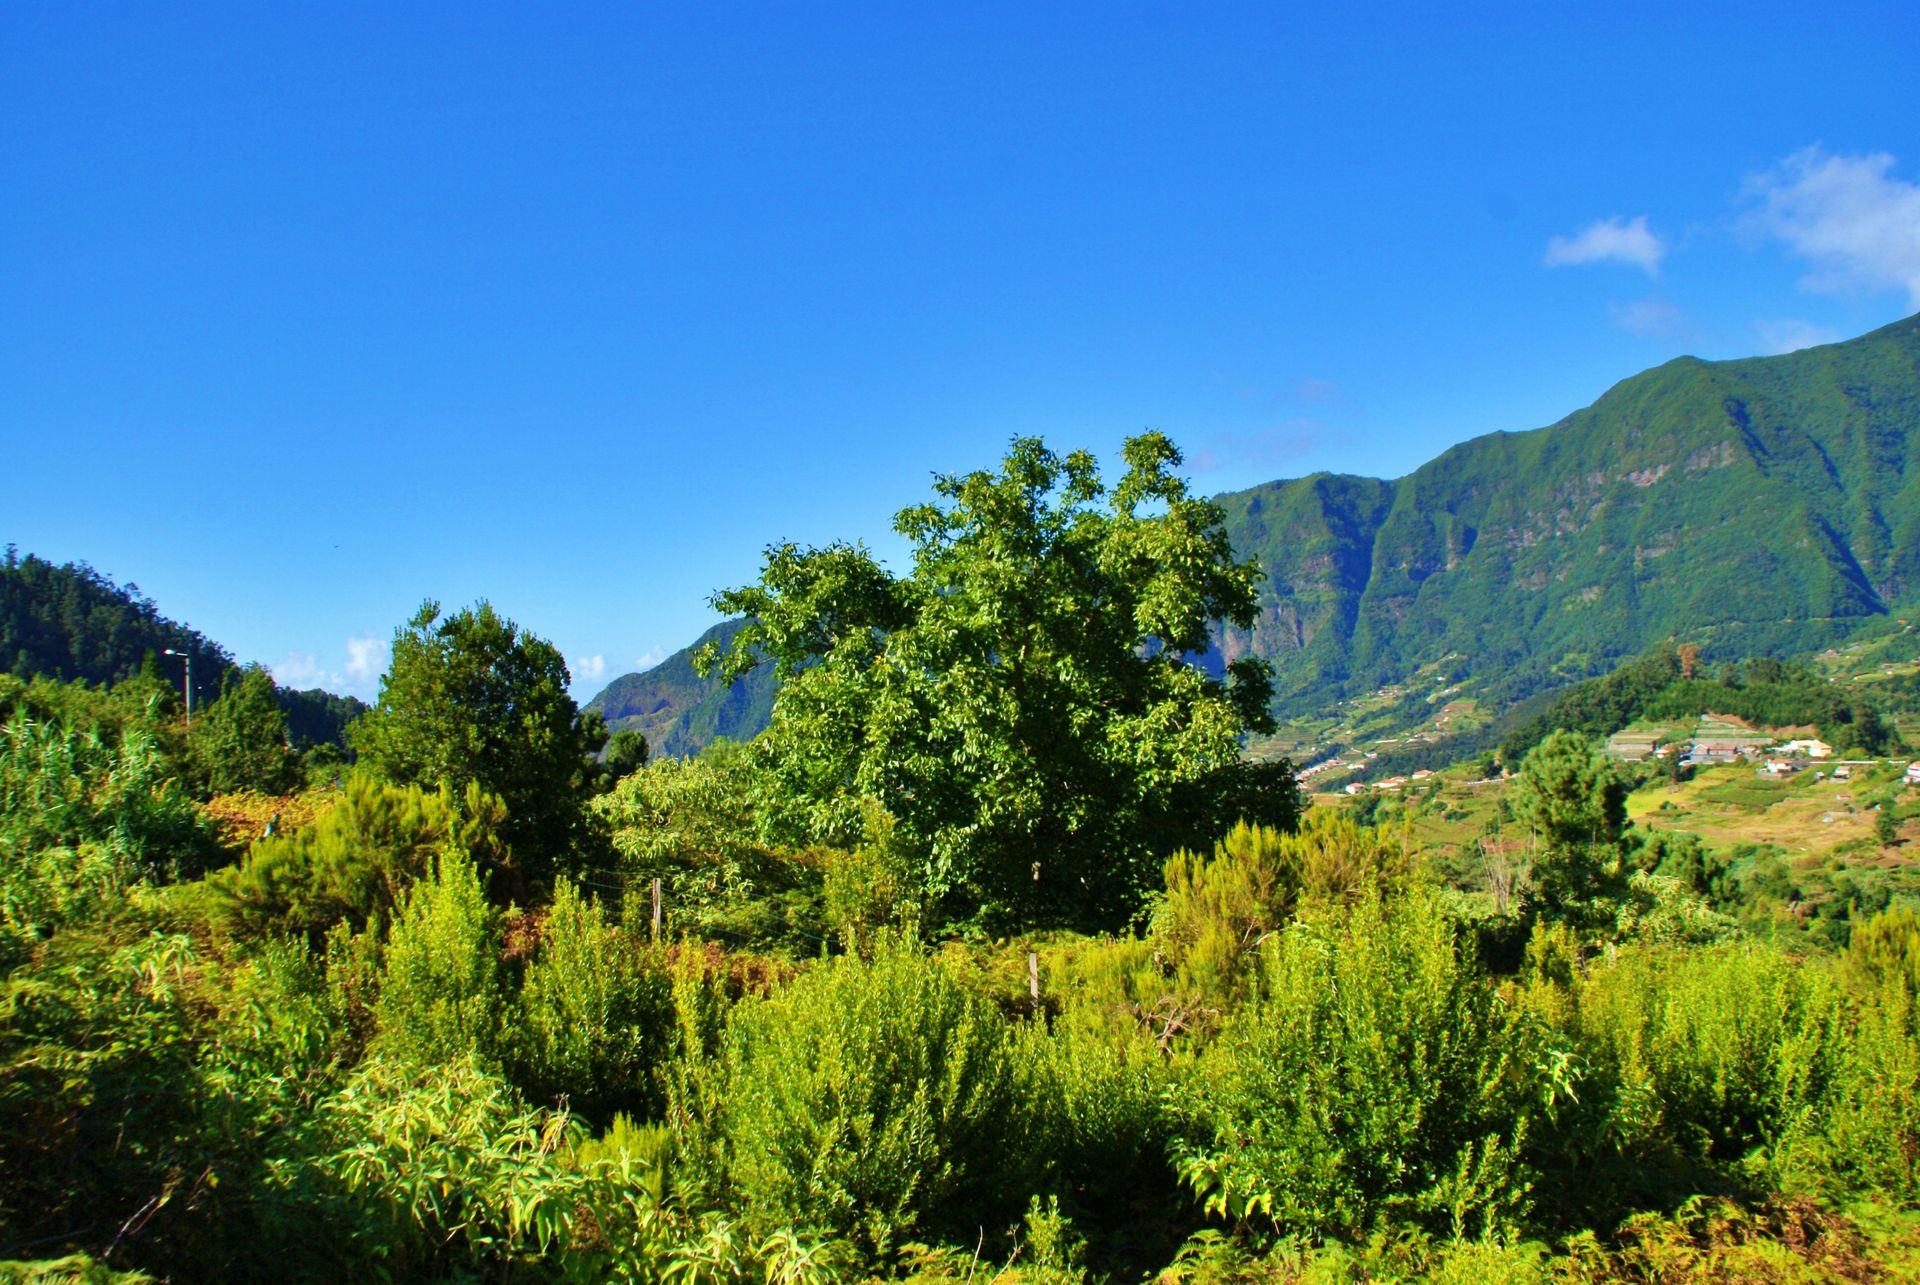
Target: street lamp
(187, 686)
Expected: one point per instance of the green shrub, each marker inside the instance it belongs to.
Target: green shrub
(1870, 1126)
(416, 1171)
(691, 824)
(1885, 949)
(101, 1090)
(871, 1099)
(240, 741)
(354, 863)
(595, 1012)
(1711, 1054)
(1376, 1078)
(872, 888)
(61, 788)
(1217, 911)
(1096, 1099)
(440, 997)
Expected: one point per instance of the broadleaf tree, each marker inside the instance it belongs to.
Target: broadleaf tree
(1023, 702)
(471, 698)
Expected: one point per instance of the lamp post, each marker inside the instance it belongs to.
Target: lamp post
(187, 686)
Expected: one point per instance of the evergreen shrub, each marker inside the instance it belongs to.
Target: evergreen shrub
(874, 1099)
(1375, 1078)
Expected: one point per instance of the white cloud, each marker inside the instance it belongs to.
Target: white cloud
(1652, 319)
(1791, 335)
(367, 657)
(588, 669)
(1612, 240)
(300, 670)
(1858, 227)
(654, 655)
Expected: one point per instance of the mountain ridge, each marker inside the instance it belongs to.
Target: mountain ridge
(1758, 506)
(1472, 539)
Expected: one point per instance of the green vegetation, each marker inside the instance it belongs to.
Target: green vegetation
(1766, 692)
(432, 1020)
(1020, 704)
(70, 624)
(472, 701)
(1758, 507)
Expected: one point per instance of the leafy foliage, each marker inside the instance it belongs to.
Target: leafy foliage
(240, 742)
(1020, 703)
(431, 1167)
(1374, 1079)
(595, 1013)
(872, 1099)
(1217, 913)
(441, 996)
(355, 863)
(472, 700)
(1574, 801)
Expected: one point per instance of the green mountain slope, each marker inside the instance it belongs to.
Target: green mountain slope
(1763, 506)
(71, 623)
(1768, 506)
(678, 711)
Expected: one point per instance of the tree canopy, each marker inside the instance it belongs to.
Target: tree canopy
(241, 741)
(1574, 800)
(1021, 702)
(471, 699)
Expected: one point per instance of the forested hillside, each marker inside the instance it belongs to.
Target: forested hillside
(72, 624)
(678, 711)
(1759, 507)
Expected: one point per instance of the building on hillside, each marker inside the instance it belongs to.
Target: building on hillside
(1812, 749)
(1707, 750)
(1633, 746)
(1913, 774)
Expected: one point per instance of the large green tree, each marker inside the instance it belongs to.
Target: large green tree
(1022, 702)
(473, 699)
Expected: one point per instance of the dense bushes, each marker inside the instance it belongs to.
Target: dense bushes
(355, 862)
(441, 997)
(873, 1099)
(596, 1013)
(81, 820)
(365, 1066)
(1376, 1078)
(1217, 912)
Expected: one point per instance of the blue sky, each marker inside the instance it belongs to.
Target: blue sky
(310, 312)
